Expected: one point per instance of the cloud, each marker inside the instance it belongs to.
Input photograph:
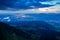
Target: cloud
(31, 6)
(6, 19)
(50, 3)
(23, 4)
(52, 9)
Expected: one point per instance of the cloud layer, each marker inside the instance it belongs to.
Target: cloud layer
(24, 4)
(30, 6)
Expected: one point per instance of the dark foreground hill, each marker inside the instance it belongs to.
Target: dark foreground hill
(8, 32)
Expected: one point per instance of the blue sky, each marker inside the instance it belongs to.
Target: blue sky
(30, 6)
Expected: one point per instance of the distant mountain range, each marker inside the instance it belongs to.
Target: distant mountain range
(29, 17)
(31, 26)
(44, 33)
(15, 19)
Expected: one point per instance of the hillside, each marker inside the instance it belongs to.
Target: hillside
(15, 33)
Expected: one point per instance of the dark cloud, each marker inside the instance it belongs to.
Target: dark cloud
(23, 4)
(58, 3)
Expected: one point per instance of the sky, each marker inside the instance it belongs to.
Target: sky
(29, 6)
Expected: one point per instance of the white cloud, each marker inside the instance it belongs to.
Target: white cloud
(50, 3)
(6, 19)
(52, 9)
